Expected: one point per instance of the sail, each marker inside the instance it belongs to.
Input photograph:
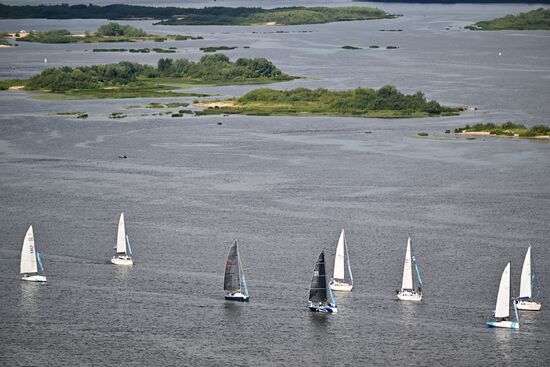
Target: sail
(121, 236)
(232, 282)
(339, 259)
(28, 255)
(349, 263)
(525, 283)
(503, 299)
(407, 282)
(318, 289)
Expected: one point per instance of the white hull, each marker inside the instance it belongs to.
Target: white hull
(528, 306)
(503, 324)
(122, 260)
(341, 287)
(409, 296)
(35, 278)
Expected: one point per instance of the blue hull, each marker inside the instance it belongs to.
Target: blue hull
(323, 309)
(503, 324)
(238, 299)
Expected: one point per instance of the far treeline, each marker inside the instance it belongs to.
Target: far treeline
(210, 68)
(194, 16)
(538, 19)
(460, 1)
(112, 32)
(386, 102)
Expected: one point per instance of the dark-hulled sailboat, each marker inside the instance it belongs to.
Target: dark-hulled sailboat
(234, 283)
(321, 298)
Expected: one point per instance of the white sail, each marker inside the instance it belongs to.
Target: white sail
(525, 284)
(503, 299)
(28, 254)
(407, 282)
(339, 260)
(121, 236)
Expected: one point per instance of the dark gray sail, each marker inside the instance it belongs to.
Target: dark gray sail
(232, 282)
(318, 289)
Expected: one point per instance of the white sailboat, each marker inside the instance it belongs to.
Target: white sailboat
(123, 254)
(31, 263)
(502, 310)
(338, 281)
(234, 282)
(529, 280)
(408, 292)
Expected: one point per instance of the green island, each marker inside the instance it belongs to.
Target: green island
(196, 16)
(169, 50)
(111, 32)
(386, 102)
(507, 129)
(348, 47)
(130, 80)
(538, 19)
(219, 48)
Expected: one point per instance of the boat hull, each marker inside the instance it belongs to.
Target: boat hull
(35, 278)
(503, 324)
(323, 309)
(239, 297)
(528, 306)
(122, 260)
(409, 296)
(340, 287)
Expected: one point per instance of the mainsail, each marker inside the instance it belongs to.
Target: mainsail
(339, 259)
(121, 236)
(318, 289)
(525, 290)
(407, 282)
(28, 254)
(232, 281)
(502, 309)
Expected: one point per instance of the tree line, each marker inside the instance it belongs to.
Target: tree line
(211, 68)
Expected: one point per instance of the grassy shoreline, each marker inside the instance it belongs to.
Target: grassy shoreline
(508, 129)
(538, 19)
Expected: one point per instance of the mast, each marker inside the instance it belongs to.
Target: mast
(318, 288)
(407, 282)
(28, 254)
(502, 309)
(525, 287)
(232, 281)
(121, 236)
(339, 258)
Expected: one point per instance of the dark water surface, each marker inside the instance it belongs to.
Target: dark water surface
(285, 187)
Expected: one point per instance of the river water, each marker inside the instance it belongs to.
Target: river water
(285, 187)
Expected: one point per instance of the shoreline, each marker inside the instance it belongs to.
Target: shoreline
(516, 136)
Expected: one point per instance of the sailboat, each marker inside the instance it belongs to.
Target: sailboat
(321, 298)
(502, 310)
(338, 282)
(529, 280)
(234, 282)
(408, 292)
(31, 263)
(123, 254)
